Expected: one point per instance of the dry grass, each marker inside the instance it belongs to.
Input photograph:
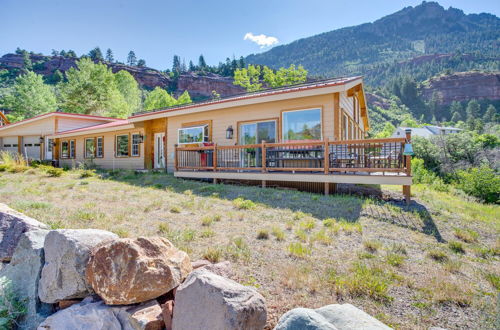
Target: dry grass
(316, 251)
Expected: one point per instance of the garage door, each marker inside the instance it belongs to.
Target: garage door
(31, 147)
(10, 144)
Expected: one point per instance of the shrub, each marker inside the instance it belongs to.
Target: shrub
(438, 255)
(11, 307)
(263, 234)
(456, 246)
(466, 235)
(399, 248)
(53, 171)
(243, 204)
(207, 233)
(301, 235)
(395, 259)
(278, 233)
(87, 174)
(175, 209)
(163, 228)
(494, 280)
(322, 237)
(207, 221)
(481, 182)
(298, 250)
(238, 249)
(372, 246)
(307, 224)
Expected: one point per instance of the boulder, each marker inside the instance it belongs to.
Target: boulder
(133, 270)
(330, 317)
(168, 312)
(12, 225)
(209, 301)
(66, 255)
(90, 314)
(221, 268)
(24, 272)
(200, 263)
(145, 316)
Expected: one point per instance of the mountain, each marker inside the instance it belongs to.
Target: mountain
(394, 40)
(198, 85)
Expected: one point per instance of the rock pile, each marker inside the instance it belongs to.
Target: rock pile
(92, 279)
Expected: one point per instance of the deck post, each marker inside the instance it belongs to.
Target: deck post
(263, 183)
(326, 156)
(215, 181)
(327, 188)
(407, 157)
(407, 194)
(176, 156)
(263, 148)
(214, 157)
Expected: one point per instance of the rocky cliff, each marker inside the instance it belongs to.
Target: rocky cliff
(462, 86)
(198, 86)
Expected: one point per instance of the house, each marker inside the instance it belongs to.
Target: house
(425, 131)
(310, 134)
(30, 137)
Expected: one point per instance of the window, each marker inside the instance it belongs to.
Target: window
(302, 125)
(252, 133)
(135, 144)
(28, 145)
(89, 148)
(99, 152)
(14, 145)
(72, 148)
(7, 145)
(196, 134)
(64, 149)
(122, 145)
(49, 145)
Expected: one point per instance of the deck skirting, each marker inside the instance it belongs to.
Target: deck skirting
(300, 177)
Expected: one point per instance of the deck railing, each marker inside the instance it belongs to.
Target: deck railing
(370, 155)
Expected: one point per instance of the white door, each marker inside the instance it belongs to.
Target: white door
(48, 148)
(31, 147)
(10, 144)
(159, 153)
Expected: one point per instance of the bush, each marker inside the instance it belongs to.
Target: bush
(481, 182)
(263, 234)
(13, 163)
(298, 250)
(243, 204)
(87, 174)
(456, 246)
(11, 307)
(51, 170)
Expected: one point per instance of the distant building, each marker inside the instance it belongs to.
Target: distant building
(426, 131)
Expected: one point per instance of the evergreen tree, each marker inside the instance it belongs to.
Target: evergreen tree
(109, 56)
(30, 96)
(191, 66)
(491, 114)
(141, 63)
(96, 54)
(62, 53)
(176, 65)
(473, 109)
(71, 54)
(28, 65)
(456, 107)
(456, 117)
(241, 63)
(131, 58)
(54, 52)
(201, 63)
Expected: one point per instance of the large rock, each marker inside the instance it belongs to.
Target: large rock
(208, 301)
(330, 317)
(90, 314)
(24, 273)
(67, 252)
(145, 316)
(133, 270)
(12, 225)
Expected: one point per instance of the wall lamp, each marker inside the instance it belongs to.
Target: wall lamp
(229, 132)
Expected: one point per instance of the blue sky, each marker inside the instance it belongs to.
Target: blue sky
(156, 30)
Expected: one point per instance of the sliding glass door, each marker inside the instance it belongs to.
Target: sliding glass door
(255, 133)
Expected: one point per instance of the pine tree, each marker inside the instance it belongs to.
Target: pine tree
(176, 65)
(491, 114)
(131, 58)
(191, 66)
(241, 63)
(473, 109)
(71, 54)
(141, 63)
(28, 65)
(109, 56)
(96, 54)
(201, 62)
(456, 117)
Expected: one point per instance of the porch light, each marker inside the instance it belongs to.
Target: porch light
(141, 138)
(408, 147)
(54, 143)
(229, 132)
(41, 139)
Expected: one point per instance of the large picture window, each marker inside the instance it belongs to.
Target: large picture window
(135, 144)
(99, 151)
(90, 148)
(302, 125)
(252, 133)
(122, 145)
(196, 134)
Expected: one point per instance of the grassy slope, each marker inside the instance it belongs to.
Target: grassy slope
(376, 255)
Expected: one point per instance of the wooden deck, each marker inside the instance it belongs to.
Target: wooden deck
(370, 161)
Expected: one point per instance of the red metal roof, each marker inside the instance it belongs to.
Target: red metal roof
(55, 113)
(118, 122)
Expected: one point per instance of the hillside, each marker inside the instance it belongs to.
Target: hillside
(198, 86)
(393, 44)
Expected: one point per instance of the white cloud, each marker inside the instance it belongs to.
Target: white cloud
(262, 40)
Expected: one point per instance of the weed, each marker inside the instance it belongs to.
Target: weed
(207, 221)
(330, 222)
(238, 249)
(301, 235)
(398, 248)
(289, 224)
(163, 228)
(175, 209)
(372, 246)
(56, 224)
(453, 266)
(87, 174)
(263, 234)
(366, 255)
(456, 246)
(466, 235)
(121, 232)
(298, 250)
(212, 254)
(494, 280)
(188, 235)
(278, 233)
(299, 215)
(52, 171)
(307, 224)
(437, 255)
(322, 237)
(394, 259)
(243, 204)
(349, 227)
(12, 307)
(207, 233)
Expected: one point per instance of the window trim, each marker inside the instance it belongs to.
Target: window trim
(97, 147)
(61, 149)
(72, 150)
(131, 148)
(85, 156)
(282, 124)
(116, 145)
(198, 126)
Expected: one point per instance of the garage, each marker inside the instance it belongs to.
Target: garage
(31, 147)
(9, 143)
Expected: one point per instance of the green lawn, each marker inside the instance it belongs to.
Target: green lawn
(434, 263)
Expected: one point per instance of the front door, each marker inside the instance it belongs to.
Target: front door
(159, 153)
(48, 148)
